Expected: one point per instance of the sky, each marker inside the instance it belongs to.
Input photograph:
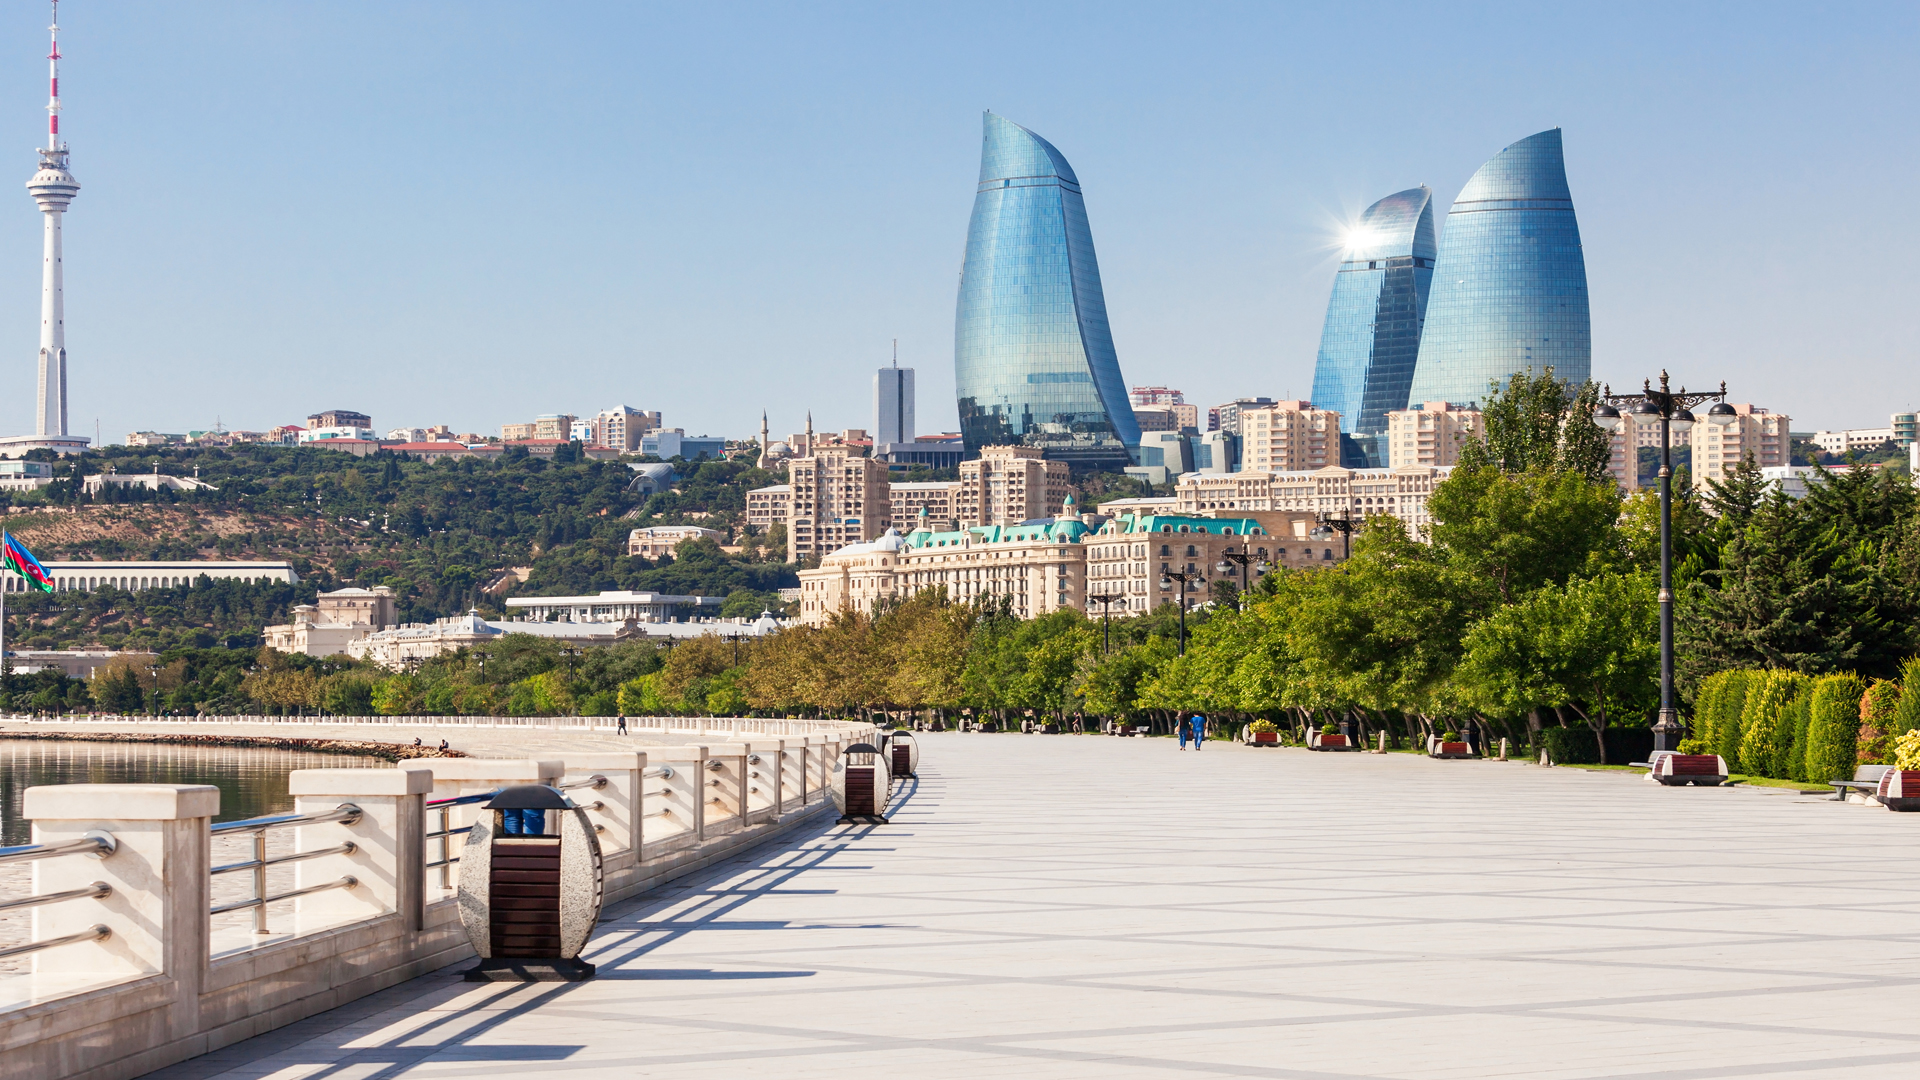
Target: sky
(471, 212)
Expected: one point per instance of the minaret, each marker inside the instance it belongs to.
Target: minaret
(766, 443)
(53, 187)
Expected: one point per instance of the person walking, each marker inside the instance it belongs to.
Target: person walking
(1199, 725)
(1181, 727)
(620, 726)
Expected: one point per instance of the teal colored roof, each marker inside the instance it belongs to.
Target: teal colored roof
(1153, 523)
(1058, 530)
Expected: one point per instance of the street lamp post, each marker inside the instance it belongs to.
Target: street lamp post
(1344, 525)
(1106, 602)
(1184, 577)
(1674, 408)
(1245, 561)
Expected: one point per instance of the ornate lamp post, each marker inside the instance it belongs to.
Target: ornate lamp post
(1185, 578)
(1229, 559)
(1106, 602)
(1344, 525)
(1674, 410)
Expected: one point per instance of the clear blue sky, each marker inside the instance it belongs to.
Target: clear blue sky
(469, 213)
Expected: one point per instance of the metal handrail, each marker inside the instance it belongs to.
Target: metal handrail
(657, 772)
(345, 813)
(95, 932)
(461, 800)
(261, 902)
(97, 842)
(594, 781)
(446, 832)
(97, 890)
(347, 848)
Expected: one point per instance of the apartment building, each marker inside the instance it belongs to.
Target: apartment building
(1432, 434)
(516, 432)
(1128, 554)
(1227, 417)
(1763, 434)
(1288, 436)
(839, 497)
(622, 427)
(1860, 439)
(1400, 492)
(940, 500)
(554, 426)
(662, 540)
(1007, 485)
(768, 506)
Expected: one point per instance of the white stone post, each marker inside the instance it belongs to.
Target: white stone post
(389, 852)
(726, 787)
(678, 802)
(765, 778)
(619, 799)
(158, 911)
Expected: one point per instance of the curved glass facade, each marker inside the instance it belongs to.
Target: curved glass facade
(1033, 358)
(1510, 287)
(1372, 335)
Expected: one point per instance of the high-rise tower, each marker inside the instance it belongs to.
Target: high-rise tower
(1033, 356)
(1510, 285)
(1372, 334)
(53, 187)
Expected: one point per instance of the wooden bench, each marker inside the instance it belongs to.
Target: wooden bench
(1678, 770)
(1866, 779)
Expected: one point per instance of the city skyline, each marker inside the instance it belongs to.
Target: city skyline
(1223, 184)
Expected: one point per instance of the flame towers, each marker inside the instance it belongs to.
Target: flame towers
(53, 187)
(1372, 334)
(1033, 357)
(1510, 285)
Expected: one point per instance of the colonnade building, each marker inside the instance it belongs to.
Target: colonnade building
(136, 576)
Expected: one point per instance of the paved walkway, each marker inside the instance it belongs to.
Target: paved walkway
(1048, 907)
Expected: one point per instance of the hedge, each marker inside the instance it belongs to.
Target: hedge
(1833, 730)
(1766, 739)
(1577, 746)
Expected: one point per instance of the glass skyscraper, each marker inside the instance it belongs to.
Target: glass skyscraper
(1372, 335)
(1033, 358)
(1510, 290)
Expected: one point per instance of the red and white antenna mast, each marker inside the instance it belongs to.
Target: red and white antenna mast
(53, 83)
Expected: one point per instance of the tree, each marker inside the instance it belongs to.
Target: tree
(1833, 729)
(1540, 423)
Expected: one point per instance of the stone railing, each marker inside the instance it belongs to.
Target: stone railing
(133, 969)
(704, 726)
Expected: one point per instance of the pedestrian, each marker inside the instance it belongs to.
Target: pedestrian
(1181, 727)
(1199, 724)
(620, 725)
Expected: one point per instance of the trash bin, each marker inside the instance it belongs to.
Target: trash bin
(861, 785)
(903, 754)
(530, 887)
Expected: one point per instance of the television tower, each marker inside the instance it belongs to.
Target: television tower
(53, 187)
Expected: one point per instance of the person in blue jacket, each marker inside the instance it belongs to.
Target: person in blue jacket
(1199, 726)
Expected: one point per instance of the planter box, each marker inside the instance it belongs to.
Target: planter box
(1436, 748)
(1317, 741)
(1900, 789)
(1263, 738)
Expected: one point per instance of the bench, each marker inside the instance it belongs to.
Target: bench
(1679, 770)
(1900, 789)
(1866, 779)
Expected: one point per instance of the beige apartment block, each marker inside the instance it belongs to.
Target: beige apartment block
(768, 506)
(1007, 485)
(1715, 448)
(839, 497)
(1289, 436)
(558, 426)
(940, 500)
(1757, 432)
(1432, 434)
(622, 427)
(1400, 492)
(1126, 557)
(515, 432)
(661, 540)
(1038, 568)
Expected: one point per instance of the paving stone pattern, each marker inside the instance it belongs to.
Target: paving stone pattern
(1056, 906)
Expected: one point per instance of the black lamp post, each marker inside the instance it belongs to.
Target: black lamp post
(1106, 602)
(1673, 408)
(1184, 577)
(1229, 559)
(1344, 525)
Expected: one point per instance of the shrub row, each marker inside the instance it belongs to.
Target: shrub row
(1790, 726)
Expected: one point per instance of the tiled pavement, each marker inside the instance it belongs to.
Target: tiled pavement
(1051, 906)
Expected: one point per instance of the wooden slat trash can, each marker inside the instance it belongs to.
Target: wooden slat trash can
(529, 896)
(903, 754)
(862, 785)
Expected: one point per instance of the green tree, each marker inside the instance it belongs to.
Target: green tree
(1539, 423)
(1833, 728)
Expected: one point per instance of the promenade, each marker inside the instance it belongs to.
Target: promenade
(1050, 907)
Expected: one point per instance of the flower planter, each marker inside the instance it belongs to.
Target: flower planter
(1337, 743)
(1263, 738)
(1436, 748)
(1900, 789)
